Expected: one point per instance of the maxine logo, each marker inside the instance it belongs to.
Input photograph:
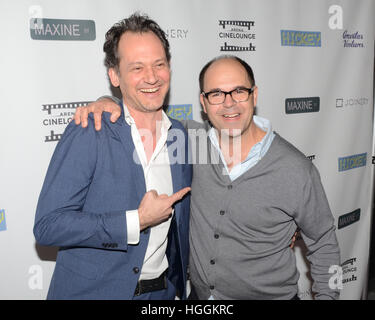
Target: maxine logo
(302, 105)
(349, 218)
(3, 225)
(351, 162)
(300, 38)
(62, 29)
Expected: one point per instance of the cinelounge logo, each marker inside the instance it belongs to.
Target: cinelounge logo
(57, 116)
(62, 29)
(237, 35)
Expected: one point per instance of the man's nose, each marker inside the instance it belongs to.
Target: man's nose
(228, 101)
(150, 76)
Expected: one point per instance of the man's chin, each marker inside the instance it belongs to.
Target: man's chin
(230, 133)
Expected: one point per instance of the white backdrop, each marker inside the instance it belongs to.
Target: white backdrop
(313, 64)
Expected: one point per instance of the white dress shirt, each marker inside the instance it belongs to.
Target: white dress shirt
(157, 173)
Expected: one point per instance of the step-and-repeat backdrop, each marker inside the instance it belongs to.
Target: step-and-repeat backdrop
(313, 64)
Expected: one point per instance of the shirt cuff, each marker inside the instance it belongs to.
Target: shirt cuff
(132, 226)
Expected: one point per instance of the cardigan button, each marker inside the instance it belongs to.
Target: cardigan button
(135, 269)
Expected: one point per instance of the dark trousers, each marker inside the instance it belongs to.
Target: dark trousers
(193, 295)
(165, 294)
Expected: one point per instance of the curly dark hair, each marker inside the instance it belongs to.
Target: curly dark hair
(137, 22)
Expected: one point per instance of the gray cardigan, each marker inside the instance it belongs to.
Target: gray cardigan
(240, 231)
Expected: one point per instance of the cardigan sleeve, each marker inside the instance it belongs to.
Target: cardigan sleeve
(315, 219)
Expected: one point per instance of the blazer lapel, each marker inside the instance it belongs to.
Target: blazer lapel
(124, 133)
(176, 168)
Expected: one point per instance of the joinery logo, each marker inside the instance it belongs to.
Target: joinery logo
(56, 116)
(352, 102)
(176, 33)
(302, 105)
(349, 218)
(237, 35)
(352, 162)
(349, 270)
(3, 224)
(62, 29)
(297, 38)
(180, 111)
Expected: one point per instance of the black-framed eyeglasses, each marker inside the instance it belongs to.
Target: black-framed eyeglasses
(239, 94)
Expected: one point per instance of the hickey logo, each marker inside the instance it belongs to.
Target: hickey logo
(3, 225)
(237, 31)
(352, 162)
(300, 38)
(349, 218)
(62, 29)
(180, 111)
(302, 105)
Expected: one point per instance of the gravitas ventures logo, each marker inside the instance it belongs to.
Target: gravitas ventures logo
(302, 105)
(62, 29)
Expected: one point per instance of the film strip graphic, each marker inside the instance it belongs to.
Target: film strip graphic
(52, 137)
(236, 23)
(225, 47)
(64, 105)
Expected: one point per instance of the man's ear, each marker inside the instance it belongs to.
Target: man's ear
(255, 95)
(201, 98)
(114, 77)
